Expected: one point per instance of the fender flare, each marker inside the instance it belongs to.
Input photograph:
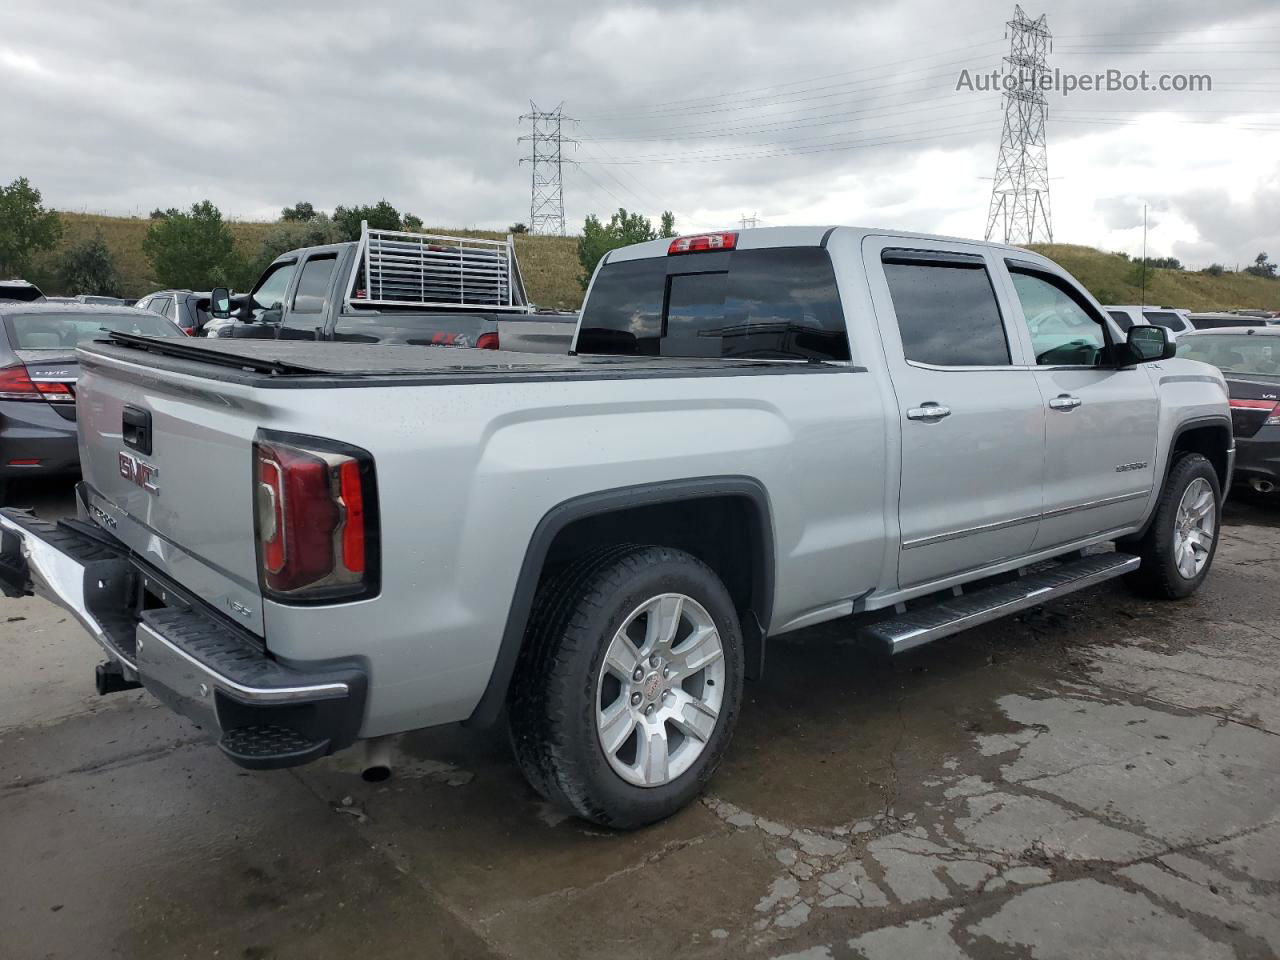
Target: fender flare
(491, 702)
(1195, 423)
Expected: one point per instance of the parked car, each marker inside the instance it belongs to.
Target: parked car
(1215, 321)
(38, 373)
(356, 542)
(20, 290)
(187, 308)
(393, 287)
(1249, 358)
(1173, 319)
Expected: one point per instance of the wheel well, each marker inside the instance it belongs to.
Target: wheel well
(1212, 441)
(723, 521)
(724, 532)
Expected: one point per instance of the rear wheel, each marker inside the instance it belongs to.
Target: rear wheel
(629, 686)
(1178, 547)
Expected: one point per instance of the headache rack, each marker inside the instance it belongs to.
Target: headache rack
(397, 269)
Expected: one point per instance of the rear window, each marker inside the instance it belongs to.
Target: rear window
(777, 304)
(1162, 318)
(62, 331)
(1252, 356)
(1122, 318)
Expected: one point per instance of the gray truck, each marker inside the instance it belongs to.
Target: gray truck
(301, 545)
(395, 287)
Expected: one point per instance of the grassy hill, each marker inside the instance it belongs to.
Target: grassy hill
(1113, 279)
(549, 264)
(551, 269)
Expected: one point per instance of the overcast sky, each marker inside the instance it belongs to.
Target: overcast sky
(823, 112)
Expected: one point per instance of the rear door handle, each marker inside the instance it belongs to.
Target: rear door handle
(1065, 402)
(929, 412)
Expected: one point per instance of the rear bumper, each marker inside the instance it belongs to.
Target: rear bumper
(266, 714)
(1258, 458)
(36, 431)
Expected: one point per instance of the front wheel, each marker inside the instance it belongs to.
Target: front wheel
(1178, 547)
(629, 685)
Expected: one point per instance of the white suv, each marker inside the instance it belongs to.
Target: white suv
(1173, 319)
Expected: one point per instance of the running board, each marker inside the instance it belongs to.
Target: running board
(918, 627)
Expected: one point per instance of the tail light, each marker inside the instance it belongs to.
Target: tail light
(1271, 407)
(703, 243)
(316, 519)
(487, 341)
(16, 384)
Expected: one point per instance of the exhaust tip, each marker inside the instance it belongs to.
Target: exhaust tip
(1262, 486)
(377, 760)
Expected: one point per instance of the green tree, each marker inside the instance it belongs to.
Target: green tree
(194, 250)
(667, 228)
(25, 227)
(299, 212)
(381, 216)
(1262, 267)
(290, 235)
(518, 228)
(410, 222)
(623, 229)
(1214, 270)
(88, 267)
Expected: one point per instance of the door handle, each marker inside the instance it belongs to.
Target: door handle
(1065, 402)
(929, 412)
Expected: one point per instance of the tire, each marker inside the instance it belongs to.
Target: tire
(565, 699)
(1159, 576)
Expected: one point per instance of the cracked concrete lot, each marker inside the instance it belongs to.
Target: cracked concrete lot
(1097, 778)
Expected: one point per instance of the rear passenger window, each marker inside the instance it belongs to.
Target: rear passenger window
(947, 310)
(775, 304)
(1122, 318)
(313, 285)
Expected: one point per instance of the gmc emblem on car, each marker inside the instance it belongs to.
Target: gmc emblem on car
(143, 474)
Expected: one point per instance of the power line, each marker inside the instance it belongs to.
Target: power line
(1020, 194)
(962, 130)
(709, 99)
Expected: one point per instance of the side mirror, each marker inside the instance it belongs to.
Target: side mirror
(1146, 344)
(220, 303)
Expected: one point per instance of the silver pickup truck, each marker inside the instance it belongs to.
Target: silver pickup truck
(300, 545)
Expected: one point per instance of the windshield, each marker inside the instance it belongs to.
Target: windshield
(64, 331)
(1250, 356)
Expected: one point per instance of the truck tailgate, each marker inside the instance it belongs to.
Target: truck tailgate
(167, 462)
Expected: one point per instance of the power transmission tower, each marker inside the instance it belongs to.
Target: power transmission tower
(749, 222)
(1019, 210)
(546, 203)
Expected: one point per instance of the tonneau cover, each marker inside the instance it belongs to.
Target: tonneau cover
(279, 362)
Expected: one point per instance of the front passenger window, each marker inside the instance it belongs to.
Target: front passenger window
(1063, 333)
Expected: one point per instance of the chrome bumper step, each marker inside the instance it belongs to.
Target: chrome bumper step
(918, 627)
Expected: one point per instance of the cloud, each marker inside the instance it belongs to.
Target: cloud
(827, 111)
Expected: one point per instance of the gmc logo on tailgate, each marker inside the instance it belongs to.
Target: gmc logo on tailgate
(143, 474)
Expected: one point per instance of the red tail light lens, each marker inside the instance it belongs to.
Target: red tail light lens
(16, 384)
(1271, 407)
(487, 341)
(316, 519)
(703, 243)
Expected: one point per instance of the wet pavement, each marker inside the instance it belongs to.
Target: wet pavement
(1096, 778)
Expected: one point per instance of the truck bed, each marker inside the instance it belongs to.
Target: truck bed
(284, 363)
